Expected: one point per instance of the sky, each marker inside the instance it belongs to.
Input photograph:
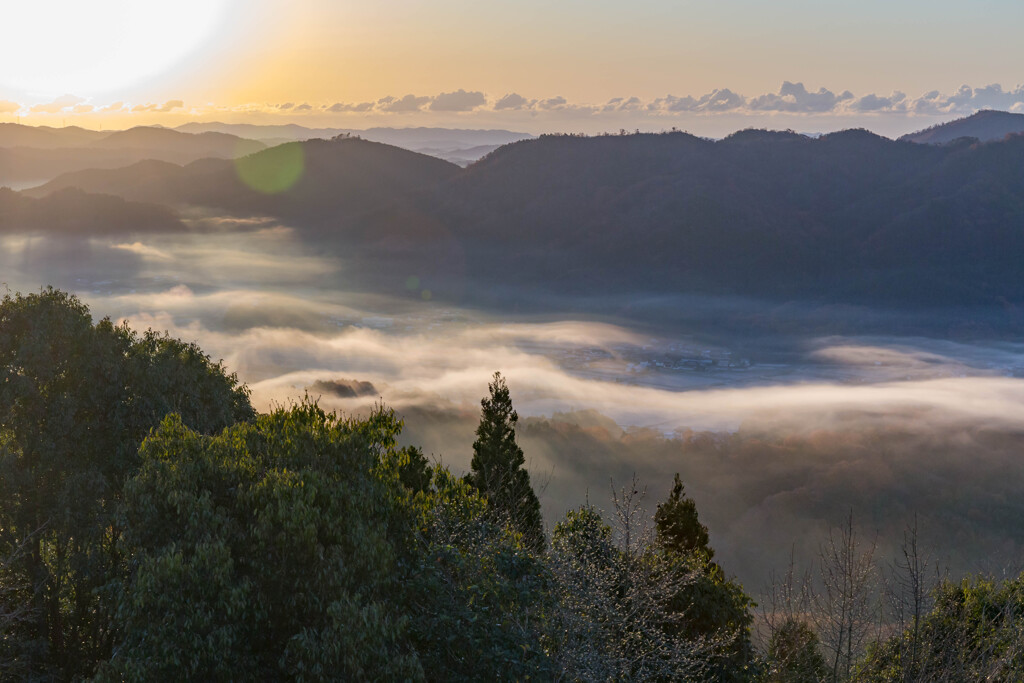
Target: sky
(556, 66)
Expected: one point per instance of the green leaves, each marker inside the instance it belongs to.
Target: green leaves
(301, 523)
(497, 466)
(76, 399)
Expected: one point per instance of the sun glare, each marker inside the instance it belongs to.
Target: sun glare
(49, 48)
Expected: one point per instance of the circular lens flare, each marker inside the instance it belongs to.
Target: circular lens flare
(273, 170)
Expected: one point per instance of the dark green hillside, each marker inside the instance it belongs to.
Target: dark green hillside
(153, 527)
(849, 217)
(334, 180)
(74, 212)
(986, 125)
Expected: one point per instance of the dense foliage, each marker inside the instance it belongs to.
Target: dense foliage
(153, 527)
(974, 632)
(497, 466)
(76, 400)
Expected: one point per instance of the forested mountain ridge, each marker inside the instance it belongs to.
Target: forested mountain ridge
(30, 154)
(986, 125)
(334, 178)
(71, 211)
(849, 216)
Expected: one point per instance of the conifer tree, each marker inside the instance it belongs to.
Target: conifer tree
(497, 466)
(714, 605)
(679, 528)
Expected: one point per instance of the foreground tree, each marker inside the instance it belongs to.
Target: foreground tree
(615, 620)
(843, 609)
(974, 632)
(678, 525)
(76, 399)
(271, 551)
(480, 601)
(497, 466)
(709, 605)
(794, 655)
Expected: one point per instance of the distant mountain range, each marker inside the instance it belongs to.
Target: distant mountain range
(458, 145)
(985, 126)
(32, 155)
(848, 216)
(29, 154)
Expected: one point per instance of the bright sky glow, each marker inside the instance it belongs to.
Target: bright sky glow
(571, 65)
(53, 47)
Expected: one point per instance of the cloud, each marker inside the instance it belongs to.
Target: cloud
(8, 107)
(170, 105)
(116, 106)
(513, 101)
(967, 100)
(164, 108)
(340, 107)
(720, 100)
(623, 104)
(460, 100)
(873, 103)
(143, 250)
(558, 102)
(60, 104)
(887, 426)
(406, 104)
(794, 97)
(82, 108)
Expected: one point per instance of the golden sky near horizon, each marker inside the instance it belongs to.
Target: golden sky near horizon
(567, 62)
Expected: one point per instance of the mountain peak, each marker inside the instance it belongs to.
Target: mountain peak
(987, 125)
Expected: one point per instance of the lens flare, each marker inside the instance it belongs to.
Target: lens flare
(273, 170)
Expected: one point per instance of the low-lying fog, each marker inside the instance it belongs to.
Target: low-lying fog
(773, 446)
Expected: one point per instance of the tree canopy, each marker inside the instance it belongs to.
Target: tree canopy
(497, 465)
(154, 527)
(76, 400)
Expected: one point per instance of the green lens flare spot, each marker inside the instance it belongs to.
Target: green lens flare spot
(273, 170)
(426, 294)
(412, 283)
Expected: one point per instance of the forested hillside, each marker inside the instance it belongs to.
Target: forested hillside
(848, 217)
(154, 527)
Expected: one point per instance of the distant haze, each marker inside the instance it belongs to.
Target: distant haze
(652, 64)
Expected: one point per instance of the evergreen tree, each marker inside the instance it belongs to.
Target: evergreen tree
(497, 466)
(679, 529)
(713, 605)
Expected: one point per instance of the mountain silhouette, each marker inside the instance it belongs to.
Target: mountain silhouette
(39, 154)
(849, 216)
(73, 212)
(986, 125)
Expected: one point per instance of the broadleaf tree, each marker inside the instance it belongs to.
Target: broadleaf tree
(76, 399)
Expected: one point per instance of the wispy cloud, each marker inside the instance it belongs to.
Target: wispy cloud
(793, 99)
(168, 106)
(460, 100)
(62, 103)
(409, 103)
